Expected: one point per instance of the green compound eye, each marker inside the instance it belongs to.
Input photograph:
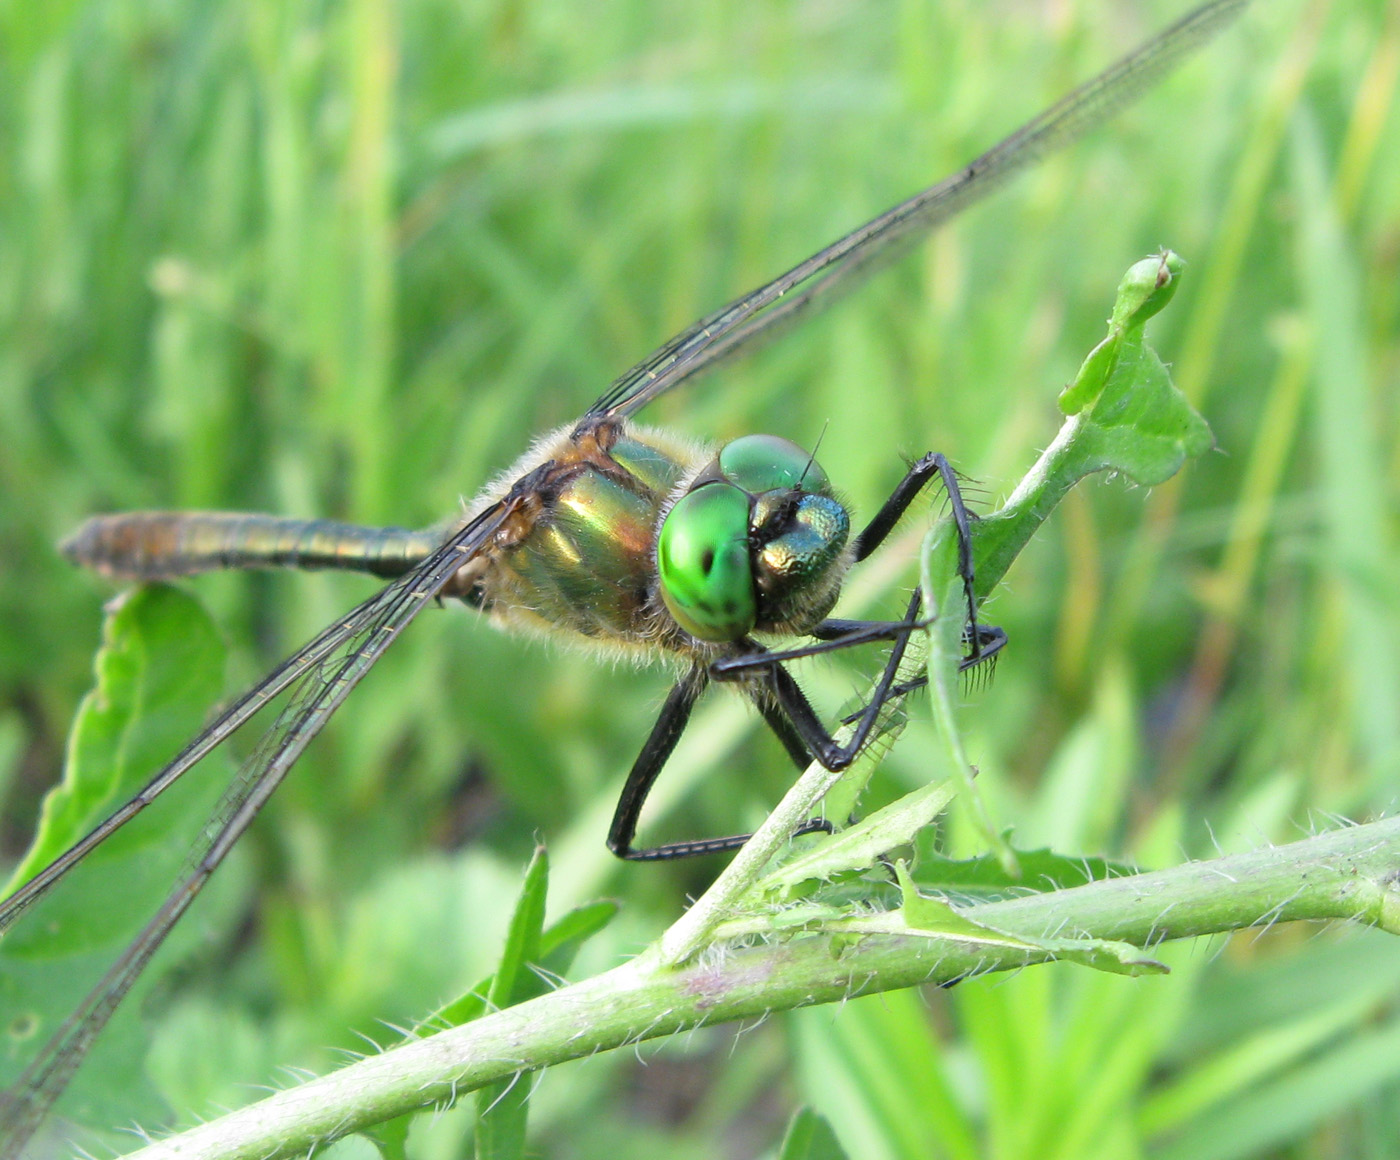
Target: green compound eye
(760, 463)
(702, 557)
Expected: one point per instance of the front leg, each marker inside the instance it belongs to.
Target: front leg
(835, 635)
(759, 663)
(893, 508)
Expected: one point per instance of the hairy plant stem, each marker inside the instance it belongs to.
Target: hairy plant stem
(1348, 874)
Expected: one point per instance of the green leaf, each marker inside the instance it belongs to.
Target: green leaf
(1124, 415)
(159, 671)
(1262, 1121)
(1042, 871)
(809, 1137)
(391, 1137)
(1147, 287)
(860, 846)
(1136, 422)
(558, 946)
(920, 914)
(939, 576)
(502, 1107)
(514, 982)
(877, 1069)
(934, 916)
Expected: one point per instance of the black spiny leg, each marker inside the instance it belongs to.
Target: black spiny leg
(903, 495)
(675, 714)
(781, 725)
(792, 702)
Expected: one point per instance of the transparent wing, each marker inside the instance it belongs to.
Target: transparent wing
(829, 272)
(321, 675)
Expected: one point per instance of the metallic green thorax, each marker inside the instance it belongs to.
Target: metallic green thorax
(586, 565)
(753, 544)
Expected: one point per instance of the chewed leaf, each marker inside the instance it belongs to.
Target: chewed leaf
(1134, 420)
(1145, 289)
(1124, 415)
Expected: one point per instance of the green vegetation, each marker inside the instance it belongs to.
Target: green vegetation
(346, 260)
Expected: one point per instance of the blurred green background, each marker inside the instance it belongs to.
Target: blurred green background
(344, 259)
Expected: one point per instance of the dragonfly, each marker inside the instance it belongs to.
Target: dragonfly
(605, 532)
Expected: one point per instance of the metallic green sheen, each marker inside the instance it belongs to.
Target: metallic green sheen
(646, 463)
(819, 531)
(790, 565)
(587, 566)
(702, 559)
(760, 463)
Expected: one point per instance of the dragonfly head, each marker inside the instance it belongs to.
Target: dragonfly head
(758, 542)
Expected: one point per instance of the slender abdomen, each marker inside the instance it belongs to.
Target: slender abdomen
(160, 545)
